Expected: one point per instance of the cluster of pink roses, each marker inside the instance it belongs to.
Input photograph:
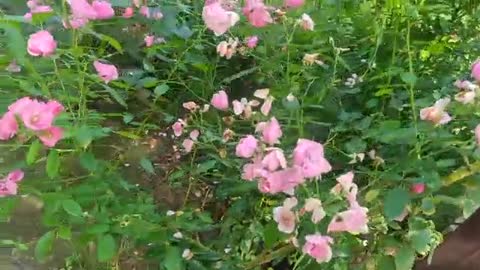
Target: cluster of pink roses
(219, 16)
(36, 116)
(9, 184)
(83, 12)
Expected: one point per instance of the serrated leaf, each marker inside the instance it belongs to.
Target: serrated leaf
(404, 258)
(44, 246)
(16, 43)
(147, 165)
(115, 95)
(173, 259)
(106, 248)
(53, 164)
(72, 207)
(33, 152)
(395, 202)
(110, 40)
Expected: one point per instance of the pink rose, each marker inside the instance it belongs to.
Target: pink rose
(103, 10)
(178, 128)
(49, 137)
(246, 147)
(41, 43)
(15, 176)
(128, 13)
(310, 157)
(220, 100)
(318, 247)
(82, 9)
(37, 116)
(106, 72)
(149, 40)
(8, 126)
(218, 19)
(274, 160)
(353, 220)
(257, 13)
(281, 181)
(253, 170)
(8, 188)
(272, 132)
(75, 23)
(188, 145)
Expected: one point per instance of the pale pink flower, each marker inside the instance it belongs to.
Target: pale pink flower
(191, 106)
(250, 171)
(194, 134)
(103, 10)
(267, 106)
(128, 13)
(294, 3)
(106, 72)
(8, 126)
(418, 188)
(238, 107)
(15, 176)
(261, 93)
(284, 215)
(260, 126)
(222, 48)
(257, 13)
(218, 19)
(353, 220)
(465, 97)
(188, 145)
(345, 183)
(41, 43)
(477, 134)
(476, 70)
(145, 11)
(178, 128)
(252, 41)
(318, 247)
(436, 113)
(157, 14)
(466, 85)
(82, 9)
(310, 157)
(281, 181)
(306, 22)
(37, 116)
(19, 105)
(272, 132)
(274, 160)
(149, 40)
(50, 136)
(315, 206)
(246, 147)
(75, 23)
(220, 100)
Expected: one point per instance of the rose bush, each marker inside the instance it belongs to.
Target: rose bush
(248, 134)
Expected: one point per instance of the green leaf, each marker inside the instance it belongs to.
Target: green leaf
(173, 258)
(72, 207)
(148, 82)
(106, 248)
(409, 78)
(33, 152)
(161, 89)
(98, 228)
(428, 206)
(271, 235)
(44, 246)
(421, 240)
(110, 40)
(147, 165)
(205, 166)
(395, 202)
(385, 263)
(88, 161)
(53, 164)
(405, 258)
(64, 233)
(116, 96)
(16, 43)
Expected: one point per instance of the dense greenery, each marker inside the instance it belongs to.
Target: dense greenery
(119, 189)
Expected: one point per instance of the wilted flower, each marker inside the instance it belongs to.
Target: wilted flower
(306, 22)
(436, 113)
(315, 206)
